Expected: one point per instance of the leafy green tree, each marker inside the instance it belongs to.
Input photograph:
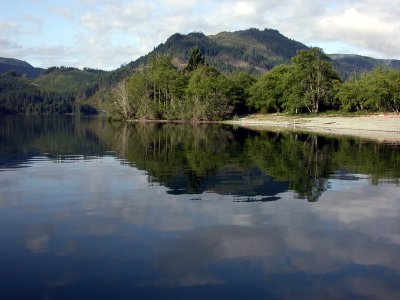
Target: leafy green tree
(161, 91)
(270, 91)
(378, 90)
(155, 92)
(141, 97)
(383, 89)
(167, 85)
(207, 95)
(239, 93)
(393, 103)
(312, 80)
(352, 94)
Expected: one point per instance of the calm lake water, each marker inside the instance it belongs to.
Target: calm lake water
(91, 210)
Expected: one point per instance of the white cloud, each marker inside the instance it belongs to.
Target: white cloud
(34, 20)
(52, 55)
(374, 31)
(243, 8)
(7, 44)
(62, 11)
(8, 27)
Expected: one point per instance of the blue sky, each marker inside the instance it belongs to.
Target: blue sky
(105, 34)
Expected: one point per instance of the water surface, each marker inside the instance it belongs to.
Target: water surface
(91, 210)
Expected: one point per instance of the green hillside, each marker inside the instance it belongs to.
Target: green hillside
(19, 95)
(250, 50)
(65, 79)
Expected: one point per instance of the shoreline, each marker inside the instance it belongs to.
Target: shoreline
(383, 128)
(379, 127)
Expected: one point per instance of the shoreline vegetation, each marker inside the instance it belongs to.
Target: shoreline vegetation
(309, 85)
(306, 94)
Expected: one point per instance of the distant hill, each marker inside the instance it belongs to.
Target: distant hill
(63, 79)
(350, 63)
(19, 95)
(252, 50)
(18, 66)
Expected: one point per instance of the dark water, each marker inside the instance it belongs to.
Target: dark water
(90, 210)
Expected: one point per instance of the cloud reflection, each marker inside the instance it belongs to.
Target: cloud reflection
(38, 237)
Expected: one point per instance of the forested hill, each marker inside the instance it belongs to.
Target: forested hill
(251, 50)
(347, 64)
(19, 67)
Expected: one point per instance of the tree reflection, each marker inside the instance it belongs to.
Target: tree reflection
(191, 159)
(177, 156)
(195, 159)
(306, 161)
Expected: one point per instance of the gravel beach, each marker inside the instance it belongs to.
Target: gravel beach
(380, 127)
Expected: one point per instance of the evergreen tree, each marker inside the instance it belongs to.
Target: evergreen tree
(195, 59)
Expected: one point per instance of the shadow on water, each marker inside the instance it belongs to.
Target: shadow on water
(205, 158)
(23, 138)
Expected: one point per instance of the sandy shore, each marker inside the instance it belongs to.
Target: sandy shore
(382, 127)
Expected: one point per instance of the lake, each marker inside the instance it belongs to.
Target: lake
(92, 210)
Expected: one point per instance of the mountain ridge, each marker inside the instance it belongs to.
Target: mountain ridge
(19, 66)
(251, 50)
(355, 63)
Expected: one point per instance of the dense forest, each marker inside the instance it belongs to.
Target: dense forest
(58, 90)
(308, 84)
(19, 96)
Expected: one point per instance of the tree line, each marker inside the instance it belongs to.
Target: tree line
(162, 91)
(19, 96)
(59, 90)
(308, 84)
